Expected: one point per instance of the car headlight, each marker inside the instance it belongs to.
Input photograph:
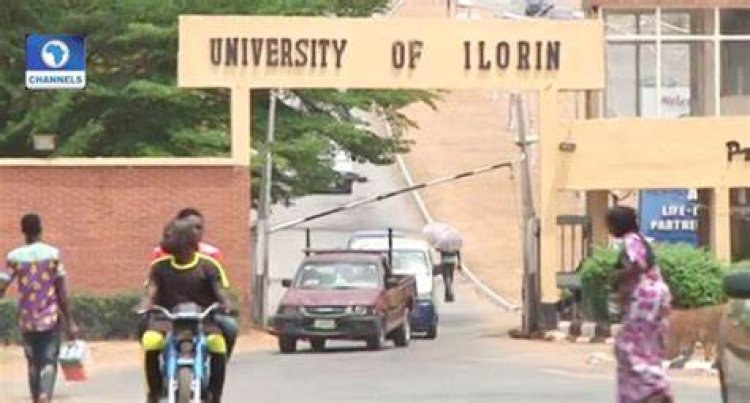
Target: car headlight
(363, 310)
(288, 309)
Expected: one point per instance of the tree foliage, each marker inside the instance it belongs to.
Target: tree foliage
(132, 107)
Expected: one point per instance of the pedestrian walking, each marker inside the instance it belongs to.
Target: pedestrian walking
(448, 241)
(450, 261)
(644, 300)
(43, 305)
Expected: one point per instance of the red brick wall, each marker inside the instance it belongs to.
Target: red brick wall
(106, 220)
(667, 3)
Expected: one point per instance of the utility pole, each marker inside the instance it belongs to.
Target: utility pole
(261, 283)
(530, 229)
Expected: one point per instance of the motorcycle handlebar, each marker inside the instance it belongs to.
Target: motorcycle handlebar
(172, 316)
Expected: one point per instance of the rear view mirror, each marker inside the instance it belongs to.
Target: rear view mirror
(286, 283)
(737, 285)
(361, 179)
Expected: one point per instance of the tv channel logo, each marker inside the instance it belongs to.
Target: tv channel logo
(55, 62)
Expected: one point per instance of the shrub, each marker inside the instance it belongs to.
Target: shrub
(693, 274)
(8, 323)
(100, 318)
(104, 318)
(594, 273)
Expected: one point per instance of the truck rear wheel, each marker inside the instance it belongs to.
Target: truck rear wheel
(402, 334)
(287, 344)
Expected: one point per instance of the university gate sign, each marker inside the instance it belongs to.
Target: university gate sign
(243, 53)
(303, 52)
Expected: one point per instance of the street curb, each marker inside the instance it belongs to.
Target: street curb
(584, 332)
(590, 333)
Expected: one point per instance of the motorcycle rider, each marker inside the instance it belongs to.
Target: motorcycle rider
(228, 324)
(183, 276)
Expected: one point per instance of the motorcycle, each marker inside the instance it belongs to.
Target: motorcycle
(185, 358)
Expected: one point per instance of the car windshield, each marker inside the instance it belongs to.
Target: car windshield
(337, 275)
(412, 262)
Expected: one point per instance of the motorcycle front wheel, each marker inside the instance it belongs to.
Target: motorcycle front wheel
(184, 384)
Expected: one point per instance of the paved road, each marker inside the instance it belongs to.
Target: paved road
(471, 361)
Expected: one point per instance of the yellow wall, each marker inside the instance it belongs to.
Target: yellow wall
(640, 154)
(654, 153)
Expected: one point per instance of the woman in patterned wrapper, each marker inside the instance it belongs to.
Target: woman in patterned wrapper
(644, 300)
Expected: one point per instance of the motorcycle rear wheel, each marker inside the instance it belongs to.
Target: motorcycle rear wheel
(184, 384)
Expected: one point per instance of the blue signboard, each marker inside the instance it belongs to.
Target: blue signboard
(669, 215)
(55, 61)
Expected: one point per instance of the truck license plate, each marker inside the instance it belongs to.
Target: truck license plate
(326, 324)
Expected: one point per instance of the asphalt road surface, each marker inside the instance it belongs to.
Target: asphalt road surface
(472, 359)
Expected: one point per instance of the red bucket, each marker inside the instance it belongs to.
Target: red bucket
(72, 360)
(73, 372)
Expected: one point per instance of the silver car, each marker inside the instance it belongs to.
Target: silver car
(734, 339)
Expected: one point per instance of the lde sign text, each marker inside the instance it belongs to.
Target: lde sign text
(325, 53)
(734, 149)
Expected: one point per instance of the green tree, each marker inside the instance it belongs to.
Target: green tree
(132, 107)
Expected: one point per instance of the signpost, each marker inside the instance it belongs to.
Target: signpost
(669, 215)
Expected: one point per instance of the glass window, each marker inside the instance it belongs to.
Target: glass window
(631, 72)
(735, 68)
(621, 87)
(735, 21)
(740, 223)
(687, 22)
(675, 80)
(641, 22)
(335, 275)
(411, 262)
(687, 85)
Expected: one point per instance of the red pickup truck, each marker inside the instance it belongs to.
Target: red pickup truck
(350, 295)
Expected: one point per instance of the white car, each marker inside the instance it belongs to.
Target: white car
(413, 257)
(343, 164)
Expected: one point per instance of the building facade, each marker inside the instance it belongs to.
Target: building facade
(675, 114)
